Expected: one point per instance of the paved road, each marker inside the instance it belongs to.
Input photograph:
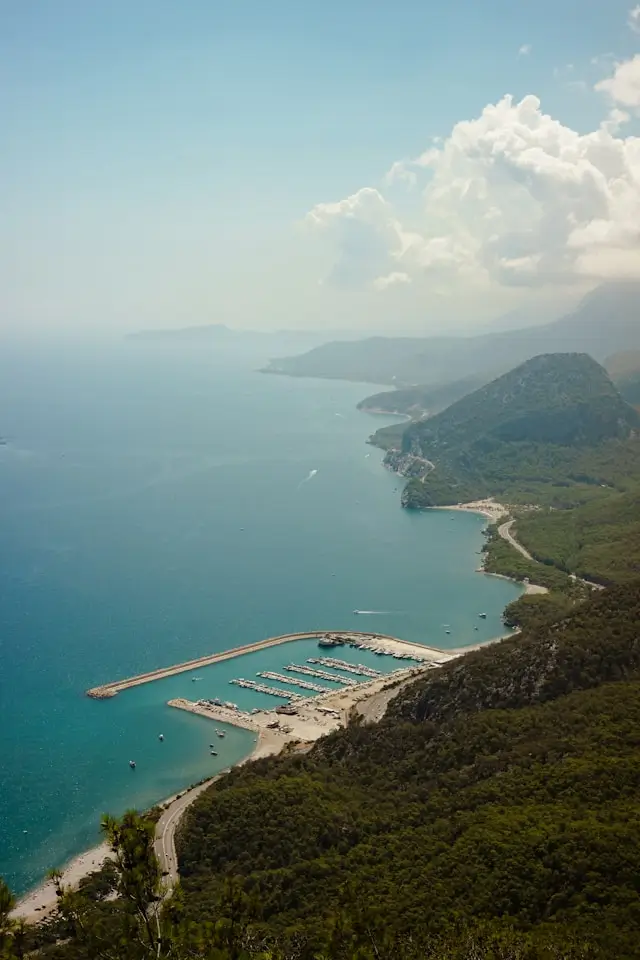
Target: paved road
(164, 843)
(505, 532)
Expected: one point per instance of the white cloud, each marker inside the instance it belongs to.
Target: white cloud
(524, 50)
(634, 19)
(623, 87)
(391, 280)
(511, 199)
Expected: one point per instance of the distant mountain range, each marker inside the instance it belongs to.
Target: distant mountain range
(607, 321)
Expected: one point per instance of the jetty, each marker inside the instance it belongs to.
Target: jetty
(379, 642)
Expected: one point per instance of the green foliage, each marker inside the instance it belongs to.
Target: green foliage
(429, 398)
(599, 541)
(501, 789)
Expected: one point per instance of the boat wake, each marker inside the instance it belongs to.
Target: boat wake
(377, 613)
(311, 475)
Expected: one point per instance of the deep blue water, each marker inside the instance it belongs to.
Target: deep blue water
(154, 507)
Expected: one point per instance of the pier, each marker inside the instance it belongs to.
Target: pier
(371, 641)
(304, 684)
(263, 688)
(345, 666)
(320, 674)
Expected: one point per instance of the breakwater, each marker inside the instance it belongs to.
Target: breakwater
(370, 641)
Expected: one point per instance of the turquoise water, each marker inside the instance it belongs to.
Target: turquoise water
(155, 506)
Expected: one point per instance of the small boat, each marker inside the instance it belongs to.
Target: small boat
(482, 616)
(447, 631)
(132, 764)
(214, 753)
(193, 679)
(161, 736)
(221, 733)
(356, 612)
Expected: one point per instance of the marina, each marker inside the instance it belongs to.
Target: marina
(321, 674)
(376, 642)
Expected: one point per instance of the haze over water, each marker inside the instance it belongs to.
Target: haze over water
(157, 505)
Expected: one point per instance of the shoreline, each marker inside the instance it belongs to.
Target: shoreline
(40, 902)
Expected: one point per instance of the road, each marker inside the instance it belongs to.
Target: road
(164, 844)
(505, 532)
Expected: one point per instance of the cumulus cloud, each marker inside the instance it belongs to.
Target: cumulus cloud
(524, 50)
(513, 198)
(391, 280)
(634, 19)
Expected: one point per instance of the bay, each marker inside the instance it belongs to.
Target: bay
(159, 504)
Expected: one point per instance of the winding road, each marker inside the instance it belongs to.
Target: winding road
(165, 840)
(505, 532)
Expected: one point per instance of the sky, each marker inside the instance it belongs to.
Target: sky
(405, 167)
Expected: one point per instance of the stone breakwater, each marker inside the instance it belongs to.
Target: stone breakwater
(377, 641)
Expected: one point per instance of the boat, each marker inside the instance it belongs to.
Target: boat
(214, 753)
(132, 764)
(193, 679)
(356, 612)
(161, 736)
(221, 733)
(482, 616)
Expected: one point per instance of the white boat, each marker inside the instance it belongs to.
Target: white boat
(221, 733)
(132, 764)
(161, 736)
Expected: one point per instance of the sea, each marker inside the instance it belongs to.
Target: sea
(159, 502)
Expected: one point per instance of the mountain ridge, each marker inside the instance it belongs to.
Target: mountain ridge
(606, 321)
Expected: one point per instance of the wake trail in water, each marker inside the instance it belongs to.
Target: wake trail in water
(311, 475)
(380, 613)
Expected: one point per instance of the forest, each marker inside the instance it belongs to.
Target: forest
(493, 814)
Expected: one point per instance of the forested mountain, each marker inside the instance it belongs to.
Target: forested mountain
(605, 322)
(555, 398)
(502, 790)
(554, 430)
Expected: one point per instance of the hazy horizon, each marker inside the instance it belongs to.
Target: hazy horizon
(366, 168)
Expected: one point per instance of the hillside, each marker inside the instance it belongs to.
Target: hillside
(501, 793)
(552, 430)
(624, 370)
(605, 322)
(419, 400)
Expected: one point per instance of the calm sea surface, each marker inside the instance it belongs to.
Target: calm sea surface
(157, 505)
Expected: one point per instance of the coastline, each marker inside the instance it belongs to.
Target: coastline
(40, 902)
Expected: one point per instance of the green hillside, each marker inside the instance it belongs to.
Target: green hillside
(492, 814)
(553, 431)
(418, 400)
(501, 792)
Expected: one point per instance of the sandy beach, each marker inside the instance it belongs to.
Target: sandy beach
(489, 508)
(309, 725)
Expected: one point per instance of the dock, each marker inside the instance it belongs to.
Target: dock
(369, 641)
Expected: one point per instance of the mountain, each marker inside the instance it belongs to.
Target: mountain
(424, 399)
(499, 797)
(606, 321)
(541, 433)
(624, 370)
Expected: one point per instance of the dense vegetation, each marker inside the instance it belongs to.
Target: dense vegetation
(501, 790)
(493, 814)
(418, 400)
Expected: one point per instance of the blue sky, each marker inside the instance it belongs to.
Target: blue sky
(160, 158)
